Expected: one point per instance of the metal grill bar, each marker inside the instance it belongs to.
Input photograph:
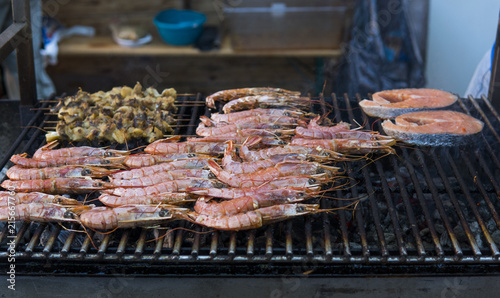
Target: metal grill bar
(342, 217)
(439, 205)
(420, 196)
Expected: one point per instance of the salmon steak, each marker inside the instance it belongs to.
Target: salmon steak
(392, 103)
(433, 128)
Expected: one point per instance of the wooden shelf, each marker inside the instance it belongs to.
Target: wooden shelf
(101, 46)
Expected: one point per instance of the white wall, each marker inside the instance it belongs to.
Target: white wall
(459, 34)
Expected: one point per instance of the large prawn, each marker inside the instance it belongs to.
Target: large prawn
(253, 219)
(163, 176)
(348, 146)
(146, 160)
(267, 101)
(207, 206)
(232, 117)
(20, 173)
(282, 169)
(304, 183)
(106, 218)
(9, 198)
(48, 152)
(189, 163)
(170, 198)
(178, 185)
(227, 95)
(22, 160)
(56, 185)
(42, 212)
(171, 145)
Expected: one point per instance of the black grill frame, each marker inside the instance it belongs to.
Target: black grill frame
(343, 245)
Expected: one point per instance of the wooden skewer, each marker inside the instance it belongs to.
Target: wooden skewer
(54, 122)
(37, 109)
(49, 128)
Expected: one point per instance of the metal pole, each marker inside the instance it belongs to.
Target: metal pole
(21, 14)
(494, 89)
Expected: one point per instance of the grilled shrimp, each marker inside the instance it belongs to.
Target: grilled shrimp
(170, 146)
(232, 117)
(282, 169)
(146, 160)
(10, 197)
(253, 219)
(56, 185)
(267, 101)
(307, 133)
(20, 173)
(238, 138)
(178, 185)
(227, 95)
(248, 203)
(48, 152)
(306, 184)
(170, 198)
(22, 160)
(266, 129)
(232, 164)
(253, 155)
(106, 218)
(42, 212)
(350, 146)
(189, 163)
(341, 126)
(162, 177)
(256, 122)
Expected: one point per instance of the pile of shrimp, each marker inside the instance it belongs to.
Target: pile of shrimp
(257, 163)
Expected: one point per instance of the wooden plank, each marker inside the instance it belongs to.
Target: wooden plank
(98, 46)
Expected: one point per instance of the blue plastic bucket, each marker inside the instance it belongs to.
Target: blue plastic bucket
(179, 27)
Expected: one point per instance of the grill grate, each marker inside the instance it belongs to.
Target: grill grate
(421, 206)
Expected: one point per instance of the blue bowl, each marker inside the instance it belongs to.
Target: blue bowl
(179, 27)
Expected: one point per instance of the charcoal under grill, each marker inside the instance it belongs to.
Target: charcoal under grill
(423, 210)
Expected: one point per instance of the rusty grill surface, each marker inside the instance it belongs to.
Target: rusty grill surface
(423, 210)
